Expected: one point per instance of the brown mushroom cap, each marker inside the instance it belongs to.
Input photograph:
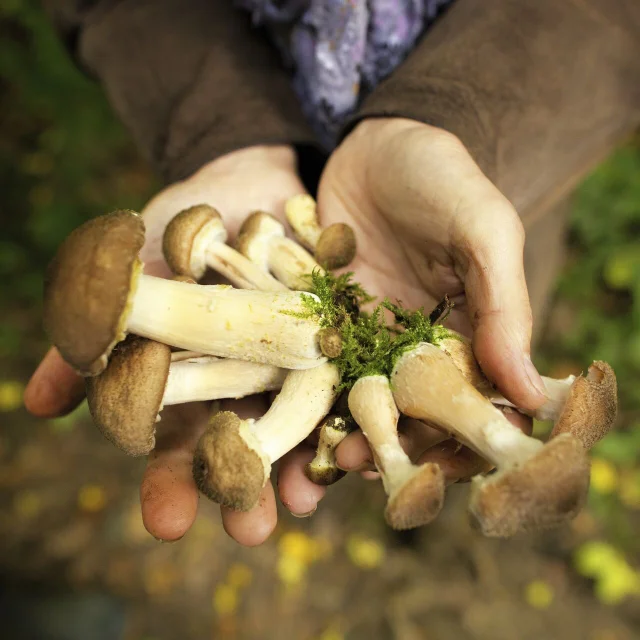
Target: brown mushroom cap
(126, 397)
(225, 468)
(545, 491)
(180, 237)
(592, 406)
(87, 288)
(336, 246)
(418, 501)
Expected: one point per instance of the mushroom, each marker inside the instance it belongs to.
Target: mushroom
(536, 486)
(195, 239)
(95, 293)
(141, 378)
(233, 459)
(415, 493)
(262, 239)
(323, 469)
(585, 406)
(334, 246)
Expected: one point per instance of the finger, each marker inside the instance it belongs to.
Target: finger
(55, 388)
(168, 494)
(297, 493)
(370, 475)
(489, 243)
(251, 528)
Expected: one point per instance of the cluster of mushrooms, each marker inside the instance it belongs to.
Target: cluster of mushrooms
(144, 342)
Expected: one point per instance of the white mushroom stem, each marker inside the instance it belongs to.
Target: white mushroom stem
(557, 393)
(427, 386)
(303, 217)
(224, 259)
(233, 459)
(209, 378)
(306, 398)
(262, 240)
(372, 405)
(225, 322)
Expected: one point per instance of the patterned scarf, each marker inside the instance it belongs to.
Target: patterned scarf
(339, 50)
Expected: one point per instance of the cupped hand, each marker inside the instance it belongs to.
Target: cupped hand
(236, 184)
(430, 223)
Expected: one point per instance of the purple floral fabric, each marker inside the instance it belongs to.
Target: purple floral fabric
(340, 50)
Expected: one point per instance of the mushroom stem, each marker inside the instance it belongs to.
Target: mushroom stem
(333, 246)
(536, 486)
(416, 493)
(233, 458)
(195, 239)
(262, 239)
(225, 322)
(585, 406)
(210, 378)
(323, 469)
(126, 399)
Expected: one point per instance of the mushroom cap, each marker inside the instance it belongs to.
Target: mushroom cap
(187, 236)
(418, 501)
(323, 473)
(330, 341)
(592, 406)
(126, 397)
(226, 468)
(255, 235)
(336, 246)
(547, 490)
(87, 289)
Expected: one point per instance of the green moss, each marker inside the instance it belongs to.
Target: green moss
(370, 346)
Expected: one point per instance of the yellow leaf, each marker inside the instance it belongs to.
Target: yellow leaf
(291, 570)
(11, 392)
(92, 498)
(629, 490)
(539, 594)
(364, 552)
(239, 576)
(604, 476)
(225, 600)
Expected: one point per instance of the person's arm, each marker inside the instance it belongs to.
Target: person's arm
(191, 80)
(537, 90)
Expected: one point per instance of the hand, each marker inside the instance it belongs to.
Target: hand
(250, 179)
(429, 223)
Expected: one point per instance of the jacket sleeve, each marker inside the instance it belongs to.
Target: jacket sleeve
(191, 80)
(535, 89)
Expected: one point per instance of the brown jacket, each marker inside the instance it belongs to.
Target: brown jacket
(538, 90)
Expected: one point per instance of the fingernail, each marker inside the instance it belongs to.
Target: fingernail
(534, 376)
(305, 515)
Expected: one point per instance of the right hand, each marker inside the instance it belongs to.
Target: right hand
(236, 184)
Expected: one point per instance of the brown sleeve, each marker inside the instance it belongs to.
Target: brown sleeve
(536, 89)
(191, 79)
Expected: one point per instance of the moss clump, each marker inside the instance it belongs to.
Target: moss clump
(370, 346)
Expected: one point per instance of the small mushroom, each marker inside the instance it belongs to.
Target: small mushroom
(334, 247)
(141, 378)
(323, 469)
(196, 239)
(415, 493)
(262, 239)
(95, 293)
(233, 459)
(585, 406)
(536, 486)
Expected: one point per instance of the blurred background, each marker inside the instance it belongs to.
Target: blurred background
(75, 560)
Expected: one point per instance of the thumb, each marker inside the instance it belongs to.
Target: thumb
(490, 251)
(55, 389)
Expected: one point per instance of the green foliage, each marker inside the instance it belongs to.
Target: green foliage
(369, 346)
